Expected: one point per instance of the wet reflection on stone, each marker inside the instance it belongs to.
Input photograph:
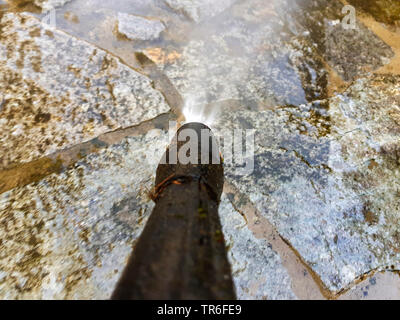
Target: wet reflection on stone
(330, 190)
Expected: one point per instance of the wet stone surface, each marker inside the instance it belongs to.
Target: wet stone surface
(245, 59)
(328, 179)
(350, 52)
(273, 54)
(69, 236)
(63, 91)
(257, 269)
(139, 28)
(199, 10)
(318, 215)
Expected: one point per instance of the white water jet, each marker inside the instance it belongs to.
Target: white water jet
(195, 112)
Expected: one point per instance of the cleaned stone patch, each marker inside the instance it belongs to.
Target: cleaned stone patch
(257, 269)
(139, 28)
(327, 176)
(59, 91)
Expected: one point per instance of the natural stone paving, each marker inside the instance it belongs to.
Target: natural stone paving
(36, 5)
(350, 52)
(318, 216)
(63, 91)
(139, 28)
(383, 286)
(257, 269)
(329, 179)
(274, 56)
(242, 60)
(69, 236)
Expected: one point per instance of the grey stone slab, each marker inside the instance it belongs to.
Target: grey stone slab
(139, 28)
(247, 54)
(69, 235)
(257, 269)
(380, 286)
(327, 176)
(59, 91)
(350, 52)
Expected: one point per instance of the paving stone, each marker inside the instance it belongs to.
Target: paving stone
(69, 235)
(350, 52)
(380, 286)
(139, 28)
(257, 269)
(327, 176)
(59, 91)
(275, 54)
(326, 169)
(246, 54)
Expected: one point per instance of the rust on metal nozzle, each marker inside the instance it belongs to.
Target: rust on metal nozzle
(207, 164)
(181, 252)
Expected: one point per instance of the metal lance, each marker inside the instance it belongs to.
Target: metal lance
(181, 252)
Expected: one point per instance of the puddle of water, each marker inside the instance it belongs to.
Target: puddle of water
(242, 28)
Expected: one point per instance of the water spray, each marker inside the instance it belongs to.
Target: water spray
(202, 113)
